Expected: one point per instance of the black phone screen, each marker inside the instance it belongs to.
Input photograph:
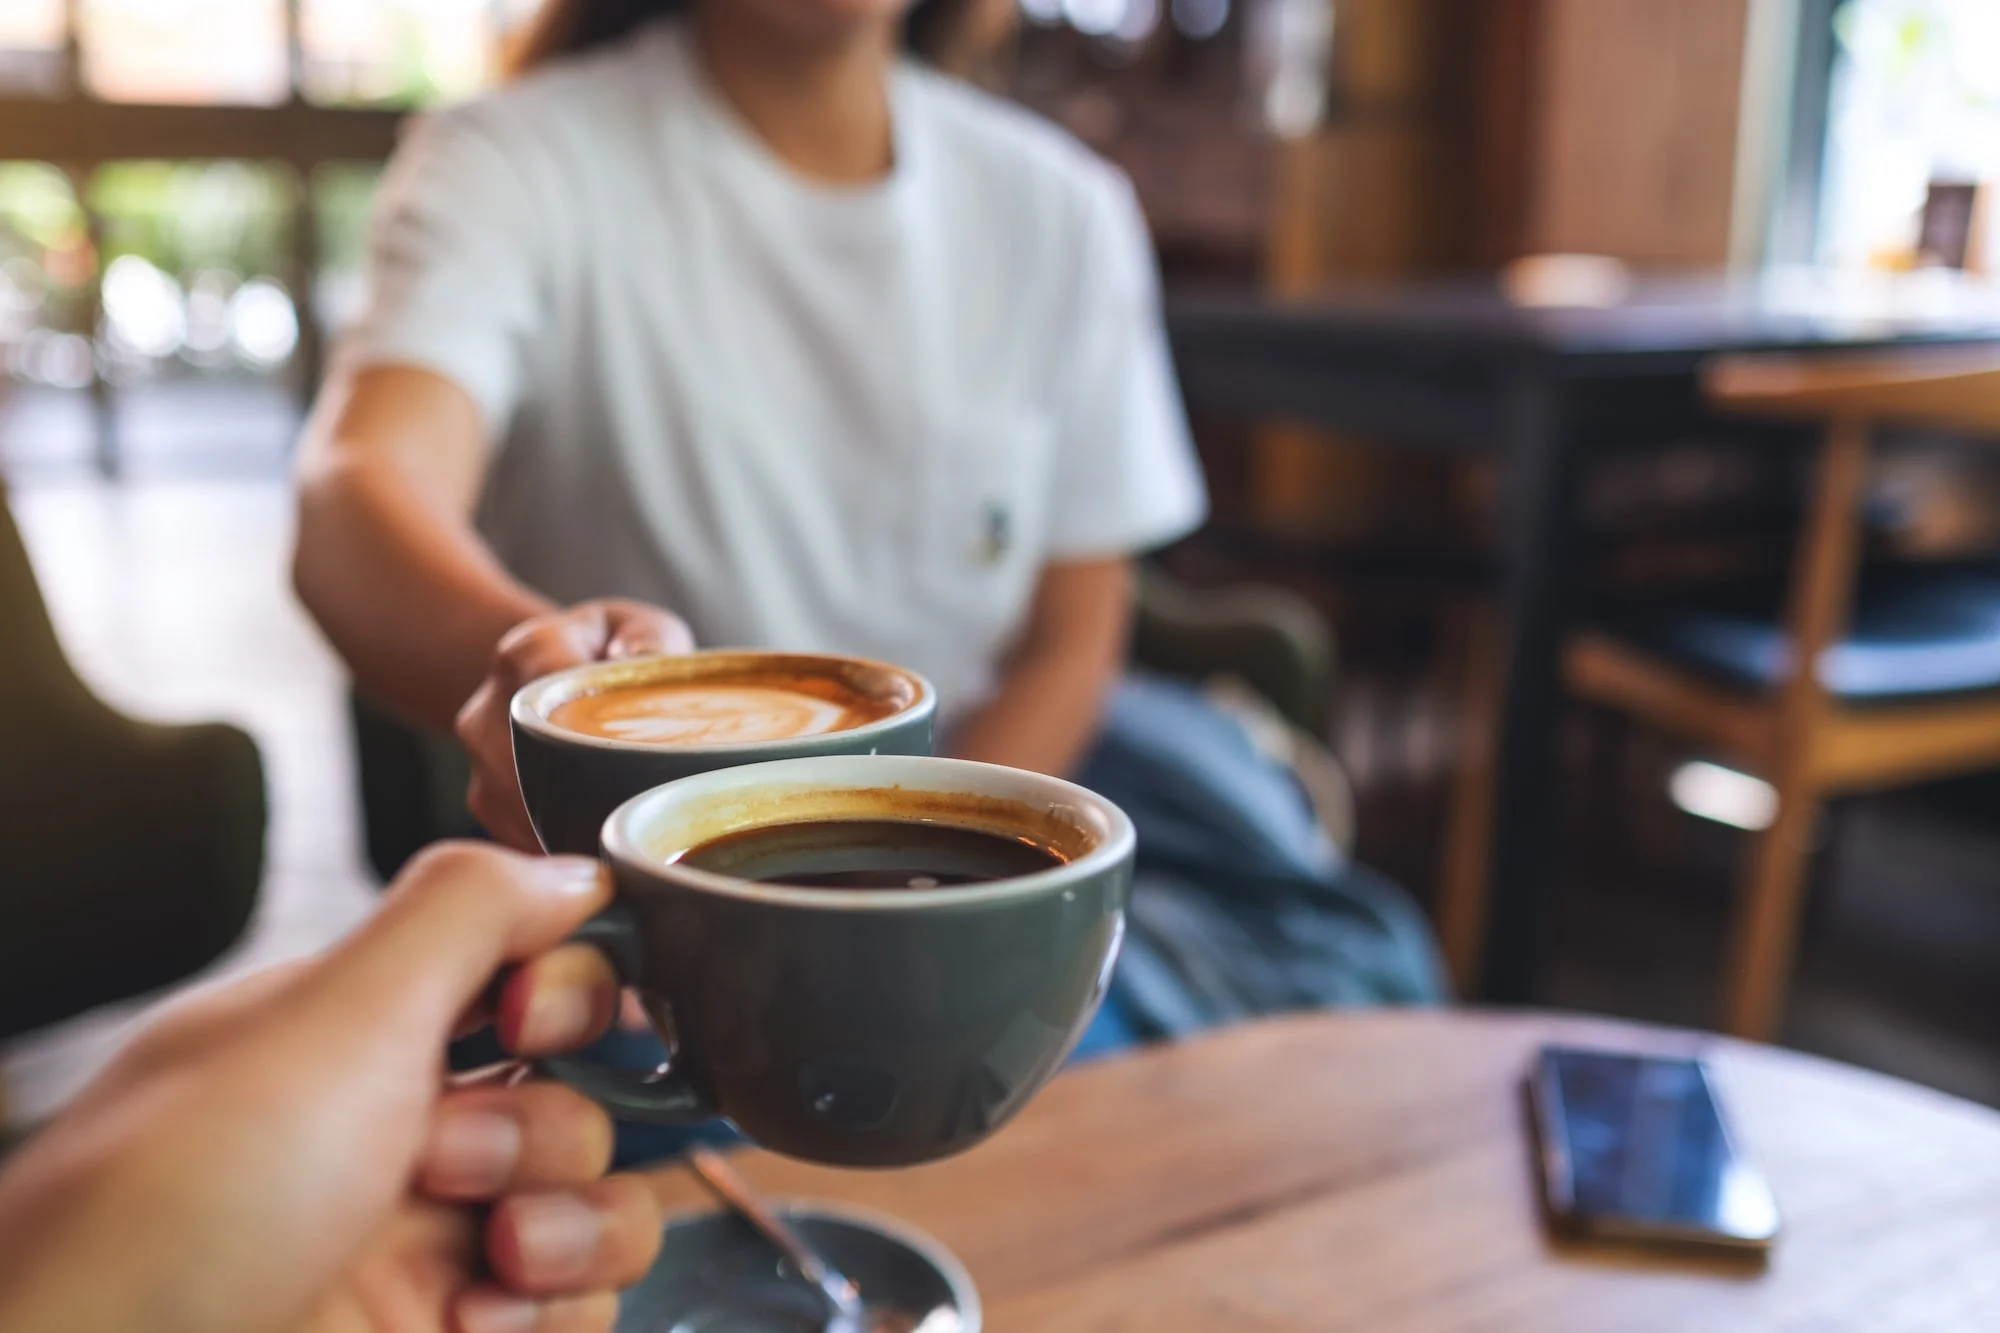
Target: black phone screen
(1637, 1146)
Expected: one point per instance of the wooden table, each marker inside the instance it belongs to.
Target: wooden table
(1371, 1172)
(1456, 367)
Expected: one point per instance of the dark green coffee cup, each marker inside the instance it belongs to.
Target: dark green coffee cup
(572, 780)
(858, 1027)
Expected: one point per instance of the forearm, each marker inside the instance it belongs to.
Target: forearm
(48, 1279)
(1043, 717)
(120, 1242)
(409, 595)
(109, 1213)
(1053, 687)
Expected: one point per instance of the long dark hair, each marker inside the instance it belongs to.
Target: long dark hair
(565, 27)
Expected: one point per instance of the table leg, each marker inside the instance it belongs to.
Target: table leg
(1536, 598)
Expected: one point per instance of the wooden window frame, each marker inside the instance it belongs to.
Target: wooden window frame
(79, 133)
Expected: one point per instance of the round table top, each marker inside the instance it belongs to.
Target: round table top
(1372, 1171)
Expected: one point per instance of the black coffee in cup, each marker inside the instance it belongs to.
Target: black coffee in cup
(882, 854)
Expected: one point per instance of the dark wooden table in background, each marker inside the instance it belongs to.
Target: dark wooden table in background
(1458, 367)
(1373, 1171)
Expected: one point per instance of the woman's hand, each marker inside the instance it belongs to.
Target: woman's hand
(285, 1154)
(588, 632)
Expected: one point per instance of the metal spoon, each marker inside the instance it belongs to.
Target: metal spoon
(843, 1299)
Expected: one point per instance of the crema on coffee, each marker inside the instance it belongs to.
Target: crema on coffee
(727, 710)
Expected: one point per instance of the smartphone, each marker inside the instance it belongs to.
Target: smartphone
(1636, 1148)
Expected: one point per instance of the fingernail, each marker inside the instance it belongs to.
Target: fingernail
(472, 1154)
(558, 1235)
(558, 1017)
(497, 1312)
(567, 876)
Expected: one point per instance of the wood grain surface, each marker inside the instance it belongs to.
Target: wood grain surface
(1371, 1172)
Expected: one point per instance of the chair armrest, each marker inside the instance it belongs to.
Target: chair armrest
(1273, 640)
(130, 859)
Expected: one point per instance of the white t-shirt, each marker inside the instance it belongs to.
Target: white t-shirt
(850, 419)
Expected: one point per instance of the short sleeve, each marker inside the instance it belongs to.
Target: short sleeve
(1126, 476)
(454, 265)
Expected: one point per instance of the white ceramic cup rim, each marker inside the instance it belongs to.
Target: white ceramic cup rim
(626, 832)
(530, 711)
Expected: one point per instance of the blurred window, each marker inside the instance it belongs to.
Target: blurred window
(195, 269)
(46, 266)
(180, 279)
(31, 46)
(1916, 100)
(352, 52)
(342, 194)
(31, 25)
(208, 51)
(397, 52)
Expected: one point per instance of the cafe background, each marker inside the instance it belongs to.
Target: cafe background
(181, 228)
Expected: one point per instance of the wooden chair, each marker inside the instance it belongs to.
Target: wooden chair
(1866, 684)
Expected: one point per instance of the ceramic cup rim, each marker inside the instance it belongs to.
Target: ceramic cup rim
(531, 704)
(625, 840)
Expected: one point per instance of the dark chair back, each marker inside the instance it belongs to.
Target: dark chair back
(130, 854)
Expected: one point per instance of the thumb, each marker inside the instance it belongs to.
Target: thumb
(453, 919)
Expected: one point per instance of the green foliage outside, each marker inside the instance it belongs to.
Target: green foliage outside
(184, 217)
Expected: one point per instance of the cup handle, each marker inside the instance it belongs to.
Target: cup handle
(660, 1096)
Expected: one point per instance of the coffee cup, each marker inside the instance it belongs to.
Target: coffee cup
(588, 739)
(851, 1019)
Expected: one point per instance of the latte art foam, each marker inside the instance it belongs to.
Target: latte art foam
(716, 716)
(718, 713)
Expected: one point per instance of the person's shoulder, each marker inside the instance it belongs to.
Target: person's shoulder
(1011, 147)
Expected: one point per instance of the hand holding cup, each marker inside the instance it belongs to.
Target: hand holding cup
(598, 631)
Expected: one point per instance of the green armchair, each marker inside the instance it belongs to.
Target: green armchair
(130, 854)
